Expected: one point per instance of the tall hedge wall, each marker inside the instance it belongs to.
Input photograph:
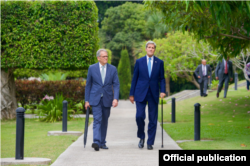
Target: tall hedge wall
(49, 34)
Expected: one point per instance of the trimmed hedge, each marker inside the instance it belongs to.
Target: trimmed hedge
(48, 34)
(32, 92)
(26, 73)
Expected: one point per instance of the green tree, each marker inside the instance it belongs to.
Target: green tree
(103, 6)
(124, 74)
(224, 24)
(44, 34)
(181, 55)
(156, 28)
(123, 26)
(109, 56)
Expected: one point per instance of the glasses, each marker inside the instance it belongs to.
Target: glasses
(104, 56)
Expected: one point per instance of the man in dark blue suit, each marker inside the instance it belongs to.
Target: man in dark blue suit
(101, 92)
(148, 73)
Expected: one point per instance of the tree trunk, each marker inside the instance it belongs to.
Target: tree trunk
(190, 78)
(8, 95)
(195, 82)
(167, 79)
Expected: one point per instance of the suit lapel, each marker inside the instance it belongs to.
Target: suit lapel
(154, 66)
(145, 64)
(106, 76)
(99, 73)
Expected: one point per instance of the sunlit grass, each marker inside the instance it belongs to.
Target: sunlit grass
(36, 141)
(226, 121)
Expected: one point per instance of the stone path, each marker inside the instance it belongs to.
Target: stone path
(121, 140)
(183, 95)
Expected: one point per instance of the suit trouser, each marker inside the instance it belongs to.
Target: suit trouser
(152, 115)
(203, 84)
(100, 124)
(248, 83)
(225, 78)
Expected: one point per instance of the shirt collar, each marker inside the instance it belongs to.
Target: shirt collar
(151, 57)
(101, 65)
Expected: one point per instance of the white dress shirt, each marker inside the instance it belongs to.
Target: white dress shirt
(152, 60)
(204, 67)
(105, 67)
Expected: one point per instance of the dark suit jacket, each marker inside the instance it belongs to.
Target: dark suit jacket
(141, 80)
(198, 72)
(94, 86)
(220, 68)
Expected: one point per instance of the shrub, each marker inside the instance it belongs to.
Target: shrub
(26, 73)
(32, 92)
(214, 85)
(163, 100)
(57, 76)
(48, 34)
(124, 74)
(51, 109)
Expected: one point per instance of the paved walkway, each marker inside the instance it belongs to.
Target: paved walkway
(121, 140)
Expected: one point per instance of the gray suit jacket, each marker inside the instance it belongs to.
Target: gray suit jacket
(198, 72)
(219, 71)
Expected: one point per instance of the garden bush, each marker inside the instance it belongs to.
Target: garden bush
(31, 92)
(49, 34)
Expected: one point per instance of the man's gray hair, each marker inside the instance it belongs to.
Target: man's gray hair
(99, 52)
(150, 42)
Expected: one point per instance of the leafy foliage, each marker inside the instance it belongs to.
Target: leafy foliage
(155, 27)
(48, 34)
(52, 109)
(54, 76)
(32, 92)
(123, 27)
(124, 74)
(26, 73)
(214, 85)
(224, 24)
(103, 6)
(181, 55)
(163, 101)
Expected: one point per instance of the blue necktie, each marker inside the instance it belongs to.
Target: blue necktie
(149, 67)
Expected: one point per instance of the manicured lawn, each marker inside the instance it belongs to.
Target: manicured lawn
(225, 121)
(36, 141)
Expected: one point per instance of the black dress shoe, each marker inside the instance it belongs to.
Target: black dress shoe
(95, 146)
(150, 147)
(205, 95)
(104, 147)
(141, 143)
(217, 94)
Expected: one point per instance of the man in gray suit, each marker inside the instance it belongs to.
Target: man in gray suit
(203, 72)
(101, 92)
(223, 72)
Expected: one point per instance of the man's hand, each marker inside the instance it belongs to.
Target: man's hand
(231, 79)
(162, 95)
(217, 78)
(208, 76)
(199, 77)
(87, 105)
(131, 98)
(115, 103)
